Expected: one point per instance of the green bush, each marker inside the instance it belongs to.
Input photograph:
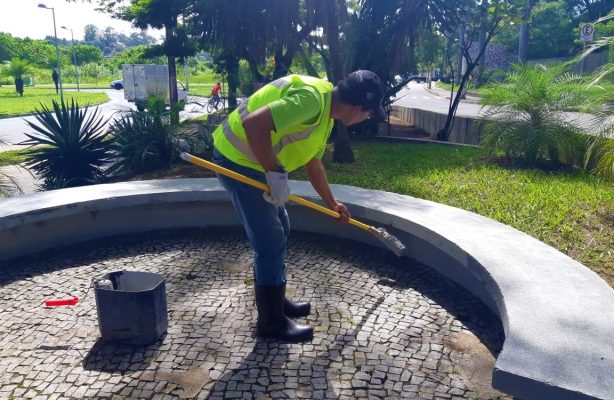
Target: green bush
(527, 120)
(68, 145)
(145, 140)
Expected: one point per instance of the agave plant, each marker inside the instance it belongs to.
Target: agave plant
(68, 146)
(527, 116)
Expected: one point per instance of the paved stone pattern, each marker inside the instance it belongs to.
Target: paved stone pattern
(384, 328)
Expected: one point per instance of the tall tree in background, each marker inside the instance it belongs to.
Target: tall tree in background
(162, 14)
(90, 33)
(158, 14)
(470, 21)
(370, 34)
(331, 13)
(588, 10)
(224, 29)
(253, 30)
(523, 39)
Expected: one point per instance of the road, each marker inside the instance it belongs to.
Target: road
(415, 95)
(12, 129)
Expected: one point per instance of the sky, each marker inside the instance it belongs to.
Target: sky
(23, 18)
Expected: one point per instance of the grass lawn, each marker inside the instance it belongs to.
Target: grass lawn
(11, 104)
(448, 86)
(200, 89)
(12, 157)
(572, 212)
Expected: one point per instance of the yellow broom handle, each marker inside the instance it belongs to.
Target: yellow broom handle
(265, 187)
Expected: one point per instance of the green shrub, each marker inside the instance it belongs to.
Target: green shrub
(68, 145)
(147, 140)
(527, 119)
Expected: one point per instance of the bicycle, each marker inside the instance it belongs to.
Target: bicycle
(215, 103)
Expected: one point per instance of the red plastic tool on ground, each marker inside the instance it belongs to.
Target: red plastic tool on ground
(61, 302)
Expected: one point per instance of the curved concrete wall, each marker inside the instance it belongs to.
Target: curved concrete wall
(465, 130)
(558, 316)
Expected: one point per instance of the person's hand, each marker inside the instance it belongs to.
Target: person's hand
(278, 186)
(343, 212)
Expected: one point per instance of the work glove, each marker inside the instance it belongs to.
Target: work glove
(278, 185)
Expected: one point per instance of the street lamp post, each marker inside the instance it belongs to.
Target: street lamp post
(74, 54)
(57, 49)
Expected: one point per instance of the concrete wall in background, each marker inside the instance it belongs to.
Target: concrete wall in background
(464, 130)
(591, 63)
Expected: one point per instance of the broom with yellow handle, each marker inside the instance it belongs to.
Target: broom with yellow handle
(387, 239)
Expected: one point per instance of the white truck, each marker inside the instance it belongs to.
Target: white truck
(141, 80)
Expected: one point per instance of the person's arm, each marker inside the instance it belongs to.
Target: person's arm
(319, 181)
(258, 127)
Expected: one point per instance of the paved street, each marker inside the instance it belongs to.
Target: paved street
(12, 129)
(384, 327)
(415, 95)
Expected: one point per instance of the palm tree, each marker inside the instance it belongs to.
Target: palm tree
(600, 154)
(527, 115)
(378, 35)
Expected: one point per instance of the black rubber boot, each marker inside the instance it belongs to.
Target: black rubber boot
(296, 309)
(273, 322)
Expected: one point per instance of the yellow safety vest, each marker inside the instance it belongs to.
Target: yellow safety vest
(294, 146)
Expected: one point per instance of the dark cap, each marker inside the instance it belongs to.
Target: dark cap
(364, 88)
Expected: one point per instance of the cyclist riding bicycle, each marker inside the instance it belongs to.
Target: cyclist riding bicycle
(215, 92)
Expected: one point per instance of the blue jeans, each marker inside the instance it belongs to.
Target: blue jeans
(267, 227)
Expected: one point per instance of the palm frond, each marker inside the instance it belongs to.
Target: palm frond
(526, 115)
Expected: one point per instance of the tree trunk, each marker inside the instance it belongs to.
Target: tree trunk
(481, 43)
(282, 64)
(444, 134)
(172, 76)
(233, 83)
(459, 57)
(253, 67)
(343, 149)
(523, 38)
(172, 86)
(446, 59)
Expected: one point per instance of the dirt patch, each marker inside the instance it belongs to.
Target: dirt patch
(474, 363)
(191, 381)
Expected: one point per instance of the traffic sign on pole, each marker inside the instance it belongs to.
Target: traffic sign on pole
(586, 32)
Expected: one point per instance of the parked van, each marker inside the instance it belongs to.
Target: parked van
(141, 80)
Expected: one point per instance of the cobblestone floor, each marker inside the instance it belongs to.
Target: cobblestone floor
(384, 327)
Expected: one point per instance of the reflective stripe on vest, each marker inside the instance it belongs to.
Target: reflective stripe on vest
(293, 146)
(285, 140)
